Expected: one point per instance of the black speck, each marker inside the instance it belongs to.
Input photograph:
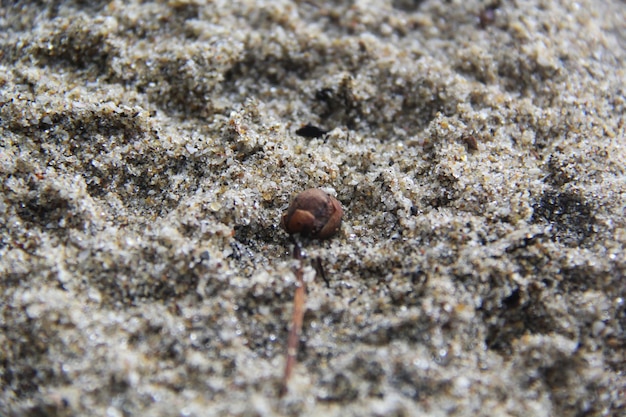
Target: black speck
(407, 5)
(568, 213)
(236, 255)
(310, 131)
(513, 300)
(324, 94)
(487, 16)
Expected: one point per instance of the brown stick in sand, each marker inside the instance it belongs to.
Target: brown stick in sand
(296, 320)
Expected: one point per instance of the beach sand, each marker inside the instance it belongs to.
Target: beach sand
(148, 150)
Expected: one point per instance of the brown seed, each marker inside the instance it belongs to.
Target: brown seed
(313, 213)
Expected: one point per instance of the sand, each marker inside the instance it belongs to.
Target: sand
(147, 153)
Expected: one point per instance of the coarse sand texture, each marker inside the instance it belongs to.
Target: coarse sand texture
(149, 149)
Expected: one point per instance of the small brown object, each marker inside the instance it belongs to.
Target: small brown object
(296, 321)
(471, 142)
(313, 213)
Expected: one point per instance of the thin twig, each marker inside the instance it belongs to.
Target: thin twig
(296, 320)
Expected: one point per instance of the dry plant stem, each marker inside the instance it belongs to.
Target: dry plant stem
(296, 320)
